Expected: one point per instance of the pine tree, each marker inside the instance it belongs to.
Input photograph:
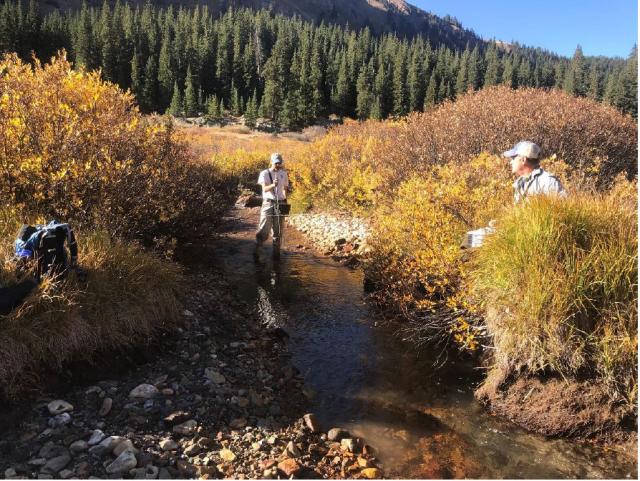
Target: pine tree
(213, 108)
(137, 77)
(166, 76)
(400, 100)
(493, 73)
(415, 83)
(341, 97)
(462, 81)
(364, 87)
(628, 96)
(176, 108)
(594, 83)
(190, 96)
(612, 89)
(376, 109)
(150, 87)
(251, 114)
(475, 70)
(431, 97)
(574, 82)
(382, 89)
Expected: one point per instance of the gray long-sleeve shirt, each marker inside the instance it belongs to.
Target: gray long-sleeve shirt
(537, 183)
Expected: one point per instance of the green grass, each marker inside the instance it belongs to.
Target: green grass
(559, 283)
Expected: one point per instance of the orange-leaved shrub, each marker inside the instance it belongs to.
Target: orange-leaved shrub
(578, 130)
(76, 147)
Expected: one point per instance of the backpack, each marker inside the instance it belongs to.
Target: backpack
(45, 244)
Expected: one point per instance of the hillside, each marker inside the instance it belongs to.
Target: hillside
(379, 15)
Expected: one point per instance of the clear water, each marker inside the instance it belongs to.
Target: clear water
(424, 421)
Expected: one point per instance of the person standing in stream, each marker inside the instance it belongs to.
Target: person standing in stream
(275, 183)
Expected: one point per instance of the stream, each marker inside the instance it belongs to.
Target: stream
(424, 422)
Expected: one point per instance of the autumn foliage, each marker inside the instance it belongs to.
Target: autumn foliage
(425, 181)
(75, 147)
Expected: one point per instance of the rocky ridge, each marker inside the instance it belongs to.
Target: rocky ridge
(220, 400)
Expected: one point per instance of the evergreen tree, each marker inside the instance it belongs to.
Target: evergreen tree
(213, 108)
(462, 81)
(400, 100)
(251, 114)
(166, 69)
(190, 96)
(628, 90)
(574, 82)
(137, 77)
(176, 108)
(493, 74)
(594, 83)
(341, 94)
(364, 87)
(149, 98)
(431, 97)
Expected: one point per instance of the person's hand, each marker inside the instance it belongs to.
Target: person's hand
(275, 183)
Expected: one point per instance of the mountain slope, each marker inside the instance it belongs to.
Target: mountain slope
(380, 16)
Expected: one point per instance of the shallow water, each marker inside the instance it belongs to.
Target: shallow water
(424, 421)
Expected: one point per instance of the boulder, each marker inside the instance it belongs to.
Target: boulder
(123, 463)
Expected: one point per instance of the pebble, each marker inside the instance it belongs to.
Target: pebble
(187, 428)
(144, 391)
(123, 446)
(123, 463)
(66, 474)
(214, 376)
(348, 444)
(311, 421)
(59, 406)
(168, 445)
(60, 420)
(289, 467)
(79, 446)
(54, 465)
(371, 473)
(227, 455)
(107, 404)
(336, 434)
(96, 437)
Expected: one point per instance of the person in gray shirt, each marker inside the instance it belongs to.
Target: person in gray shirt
(532, 179)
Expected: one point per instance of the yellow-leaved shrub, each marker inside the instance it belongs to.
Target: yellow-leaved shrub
(76, 147)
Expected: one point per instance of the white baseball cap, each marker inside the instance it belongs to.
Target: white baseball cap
(525, 148)
(276, 158)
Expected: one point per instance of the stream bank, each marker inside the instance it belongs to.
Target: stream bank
(219, 398)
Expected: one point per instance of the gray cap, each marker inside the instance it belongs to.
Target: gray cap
(276, 158)
(525, 148)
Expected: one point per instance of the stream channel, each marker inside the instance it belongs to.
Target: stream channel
(423, 421)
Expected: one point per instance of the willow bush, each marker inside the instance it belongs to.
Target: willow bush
(75, 147)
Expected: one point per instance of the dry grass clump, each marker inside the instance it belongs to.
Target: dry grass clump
(129, 295)
(75, 147)
(559, 283)
(578, 130)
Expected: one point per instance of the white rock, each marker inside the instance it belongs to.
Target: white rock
(60, 420)
(78, 446)
(96, 437)
(123, 463)
(10, 473)
(59, 406)
(144, 391)
(125, 445)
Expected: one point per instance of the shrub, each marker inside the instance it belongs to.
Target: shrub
(416, 260)
(577, 130)
(77, 148)
(129, 295)
(559, 284)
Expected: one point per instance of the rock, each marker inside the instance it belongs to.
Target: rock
(148, 472)
(123, 463)
(293, 450)
(186, 469)
(289, 467)
(106, 446)
(167, 391)
(206, 443)
(336, 434)
(96, 437)
(243, 402)
(51, 450)
(214, 376)
(54, 465)
(348, 444)
(83, 469)
(176, 417)
(78, 446)
(238, 423)
(59, 406)
(371, 473)
(66, 474)
(125, 445)
(164, 474)
(60, 420)
(311, 421)
(10, 473)
(206, 472)
(187, 428)
(192, 450)
(144, 391)
(168, 445)
(227, 455)
(107, 404)
(37, 462)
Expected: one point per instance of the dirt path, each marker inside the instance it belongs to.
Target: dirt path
(219, 398)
